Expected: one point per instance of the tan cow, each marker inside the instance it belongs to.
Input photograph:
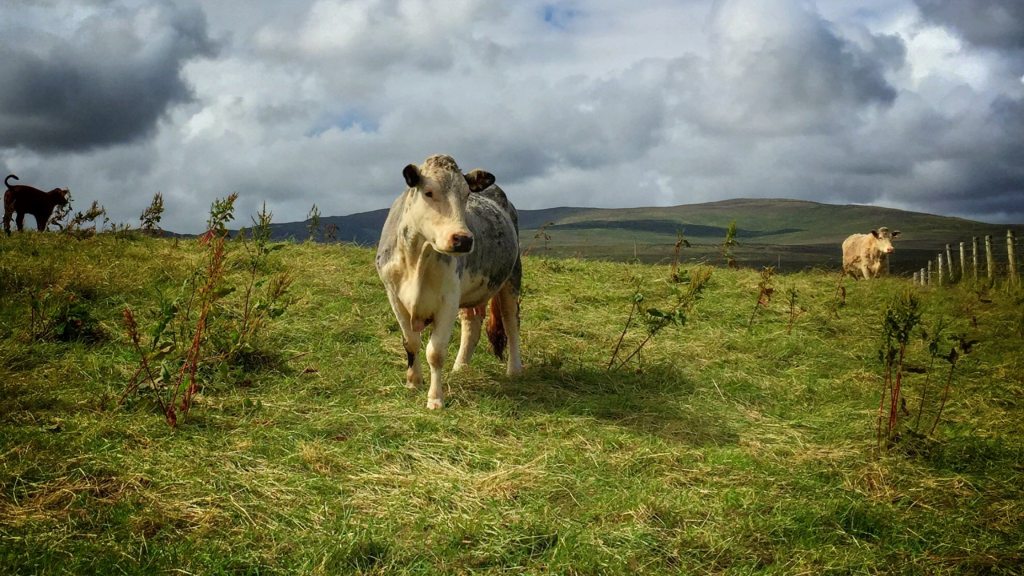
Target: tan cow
(451, 242)
(867, 255)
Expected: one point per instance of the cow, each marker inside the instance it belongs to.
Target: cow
(451, 243)
(867, 255)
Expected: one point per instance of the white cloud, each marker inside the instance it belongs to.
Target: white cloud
(568, 103)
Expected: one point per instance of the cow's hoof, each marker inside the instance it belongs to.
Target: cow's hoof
(434, 404)
(515, 370)
(413, 381)
(457, 367)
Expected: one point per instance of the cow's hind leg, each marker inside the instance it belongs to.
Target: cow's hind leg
(19, 219)
(506, 304)
(437, 351)
(472, 319)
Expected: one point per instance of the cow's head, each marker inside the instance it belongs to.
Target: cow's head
(883, 239)
(436, 208)
(60, 196)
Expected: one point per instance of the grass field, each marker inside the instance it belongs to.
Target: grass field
(734, 450)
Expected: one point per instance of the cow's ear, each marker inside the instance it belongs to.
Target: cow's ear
(896, 233)
(479, 180)
(875, 233)
(412, 175)
(65, 192)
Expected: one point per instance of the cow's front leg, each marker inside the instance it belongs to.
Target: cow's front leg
(412, 341)
(437, 350)
(414, 370)
(472, 318)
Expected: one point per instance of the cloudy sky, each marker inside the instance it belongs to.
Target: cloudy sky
(914, 104)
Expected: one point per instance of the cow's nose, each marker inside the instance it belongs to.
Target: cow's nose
(462, 243)
(890, 250)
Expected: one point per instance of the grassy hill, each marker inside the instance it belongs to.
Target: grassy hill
(728, 450)
(793, 234)
(790, 234)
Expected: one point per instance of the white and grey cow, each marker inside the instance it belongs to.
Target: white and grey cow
(451, 243)
(867, 255)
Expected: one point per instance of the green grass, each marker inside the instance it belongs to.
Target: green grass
(734, 451)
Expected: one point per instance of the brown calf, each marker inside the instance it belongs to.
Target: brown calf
(22, 200)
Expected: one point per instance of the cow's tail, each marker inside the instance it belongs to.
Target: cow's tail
(496, 328)
(8, 184)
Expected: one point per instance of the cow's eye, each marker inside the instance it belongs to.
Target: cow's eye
(429, 193)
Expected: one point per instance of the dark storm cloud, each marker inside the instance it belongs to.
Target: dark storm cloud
(986, 157)
(991, 23)
(108, 83)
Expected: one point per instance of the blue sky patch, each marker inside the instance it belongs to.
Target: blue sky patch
(558, 15)
(345, 120)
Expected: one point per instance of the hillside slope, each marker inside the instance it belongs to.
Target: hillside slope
(730, 446)
(794, 233)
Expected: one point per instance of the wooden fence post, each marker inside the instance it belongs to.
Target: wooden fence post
(949, 262)
(990, 261)
(930, 273)
(974, 256)
(940, 268)
(924, 279)
(1011, 254)
(963, 262)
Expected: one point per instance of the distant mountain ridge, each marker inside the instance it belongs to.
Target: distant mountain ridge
(770, 221)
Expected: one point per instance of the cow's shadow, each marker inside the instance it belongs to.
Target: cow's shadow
(659, 401)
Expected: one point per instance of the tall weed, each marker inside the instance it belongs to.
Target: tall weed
(199, 327)
(901, 316)
(654, 320)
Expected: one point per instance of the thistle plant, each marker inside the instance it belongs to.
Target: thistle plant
(654, 320)
(901, 316)
(680, 242)
(765, 290)
(538, 235)
(150, 218)
(794, 310)
(725, 252)
(313, 221)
